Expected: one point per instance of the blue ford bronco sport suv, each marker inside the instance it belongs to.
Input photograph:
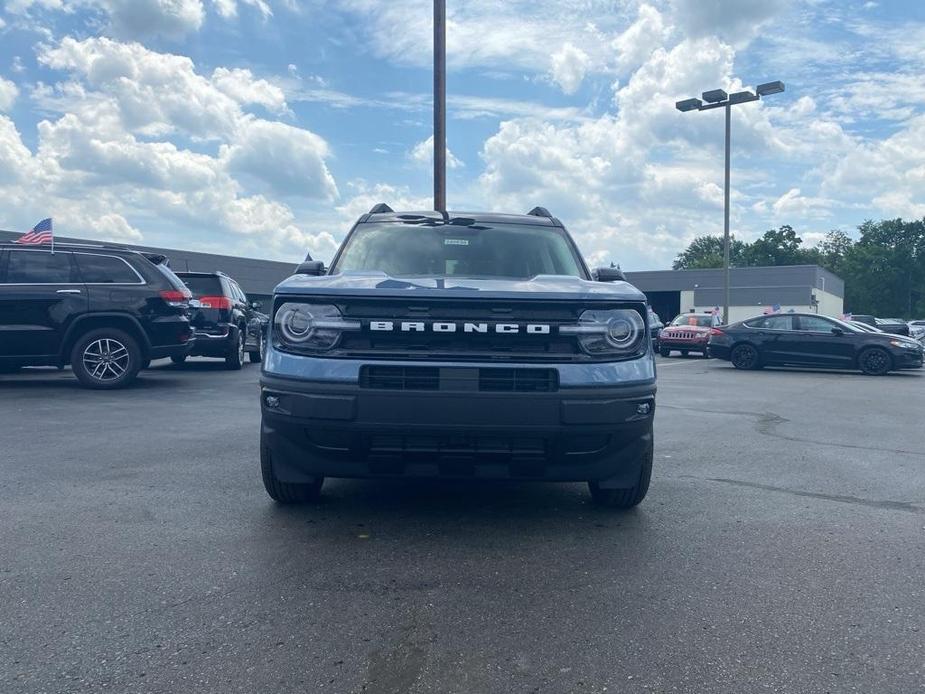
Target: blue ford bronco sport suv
(451, 345)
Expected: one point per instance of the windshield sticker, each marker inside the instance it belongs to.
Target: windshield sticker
(455, 242)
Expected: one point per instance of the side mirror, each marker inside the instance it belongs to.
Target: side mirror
(837, 331)
(310, 267)
(256, 304)
(608, 274)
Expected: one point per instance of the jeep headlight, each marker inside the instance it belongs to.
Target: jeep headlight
(616, 332)
(309, 327)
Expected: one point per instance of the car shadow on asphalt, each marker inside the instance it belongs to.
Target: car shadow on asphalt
(455, 505)
(903, 373)
(50, 378)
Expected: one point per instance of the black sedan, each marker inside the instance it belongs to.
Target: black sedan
(806, 339)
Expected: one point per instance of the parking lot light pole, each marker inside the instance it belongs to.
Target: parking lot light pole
(717, 98)
(440, 105)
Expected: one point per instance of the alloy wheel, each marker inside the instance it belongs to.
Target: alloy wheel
(745, 357)
(875, 362)
(106, 359)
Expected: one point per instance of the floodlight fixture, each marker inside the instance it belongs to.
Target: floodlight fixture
(769, 88)
(742, 97)
(715, 96)
(688, 104)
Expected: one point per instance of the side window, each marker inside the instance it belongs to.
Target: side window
(241, 293)
(40, 267)
(816, 324)
(105, 269)
(772, 323)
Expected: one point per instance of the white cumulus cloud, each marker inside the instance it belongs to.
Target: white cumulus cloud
(423, 154)
(8, 93)
(568, 68)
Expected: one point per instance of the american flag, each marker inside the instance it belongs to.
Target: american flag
(40, 234)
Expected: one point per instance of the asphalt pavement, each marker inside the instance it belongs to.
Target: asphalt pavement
(781, 549)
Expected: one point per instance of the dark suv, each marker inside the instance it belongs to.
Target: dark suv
(105, 310)
(468, 346)
(220, 313)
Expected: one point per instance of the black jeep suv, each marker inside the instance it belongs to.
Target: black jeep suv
(220, 313)
(105, 310)
(469, 346)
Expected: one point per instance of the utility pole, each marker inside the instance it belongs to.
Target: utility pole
(440, 105)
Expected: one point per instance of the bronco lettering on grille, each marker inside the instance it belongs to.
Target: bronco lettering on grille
(387, 326)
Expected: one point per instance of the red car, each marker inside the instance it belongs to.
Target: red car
(689, 332)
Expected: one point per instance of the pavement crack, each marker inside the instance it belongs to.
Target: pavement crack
(907, 506)
(766, 423)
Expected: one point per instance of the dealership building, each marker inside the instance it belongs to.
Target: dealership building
(753, 290)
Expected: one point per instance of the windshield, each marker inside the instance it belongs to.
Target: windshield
(691, 319)
(510, 251)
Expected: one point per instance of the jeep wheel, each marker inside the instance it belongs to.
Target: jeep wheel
(664, 351)
(684, 353)
(286, 492)
(626, 498)
(744, 357)
(874, 361)
(105, 359)
(235, 359)
(178, 358)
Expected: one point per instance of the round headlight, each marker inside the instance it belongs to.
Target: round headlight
(621, 332)
(296, 323)
(616, 332)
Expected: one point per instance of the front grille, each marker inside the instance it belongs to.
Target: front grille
(459, 345)
(683, 335)
(518, 380)
(486, 380)
(400, 378)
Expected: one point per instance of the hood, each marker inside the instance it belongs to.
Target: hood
(380, 284)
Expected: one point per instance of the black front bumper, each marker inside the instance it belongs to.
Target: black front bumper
(315, 429)
(682, 345)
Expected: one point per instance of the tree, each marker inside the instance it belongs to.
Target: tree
(884, 271)
(707, 252)
(833, 251)
(778, 247)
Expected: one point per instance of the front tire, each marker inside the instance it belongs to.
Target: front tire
(664, 351)
(623, 499)
(874, 361)
(745, 357)
(286, 492)
(106, 359)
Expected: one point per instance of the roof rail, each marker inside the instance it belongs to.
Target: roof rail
(539, 212)
(380, 208)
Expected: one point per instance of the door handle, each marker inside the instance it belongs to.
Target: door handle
(68, 291)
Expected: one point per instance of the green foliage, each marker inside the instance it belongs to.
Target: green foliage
(884, 270)
(707, 252)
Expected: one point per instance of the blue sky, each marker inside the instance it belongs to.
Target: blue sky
(265, 127)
